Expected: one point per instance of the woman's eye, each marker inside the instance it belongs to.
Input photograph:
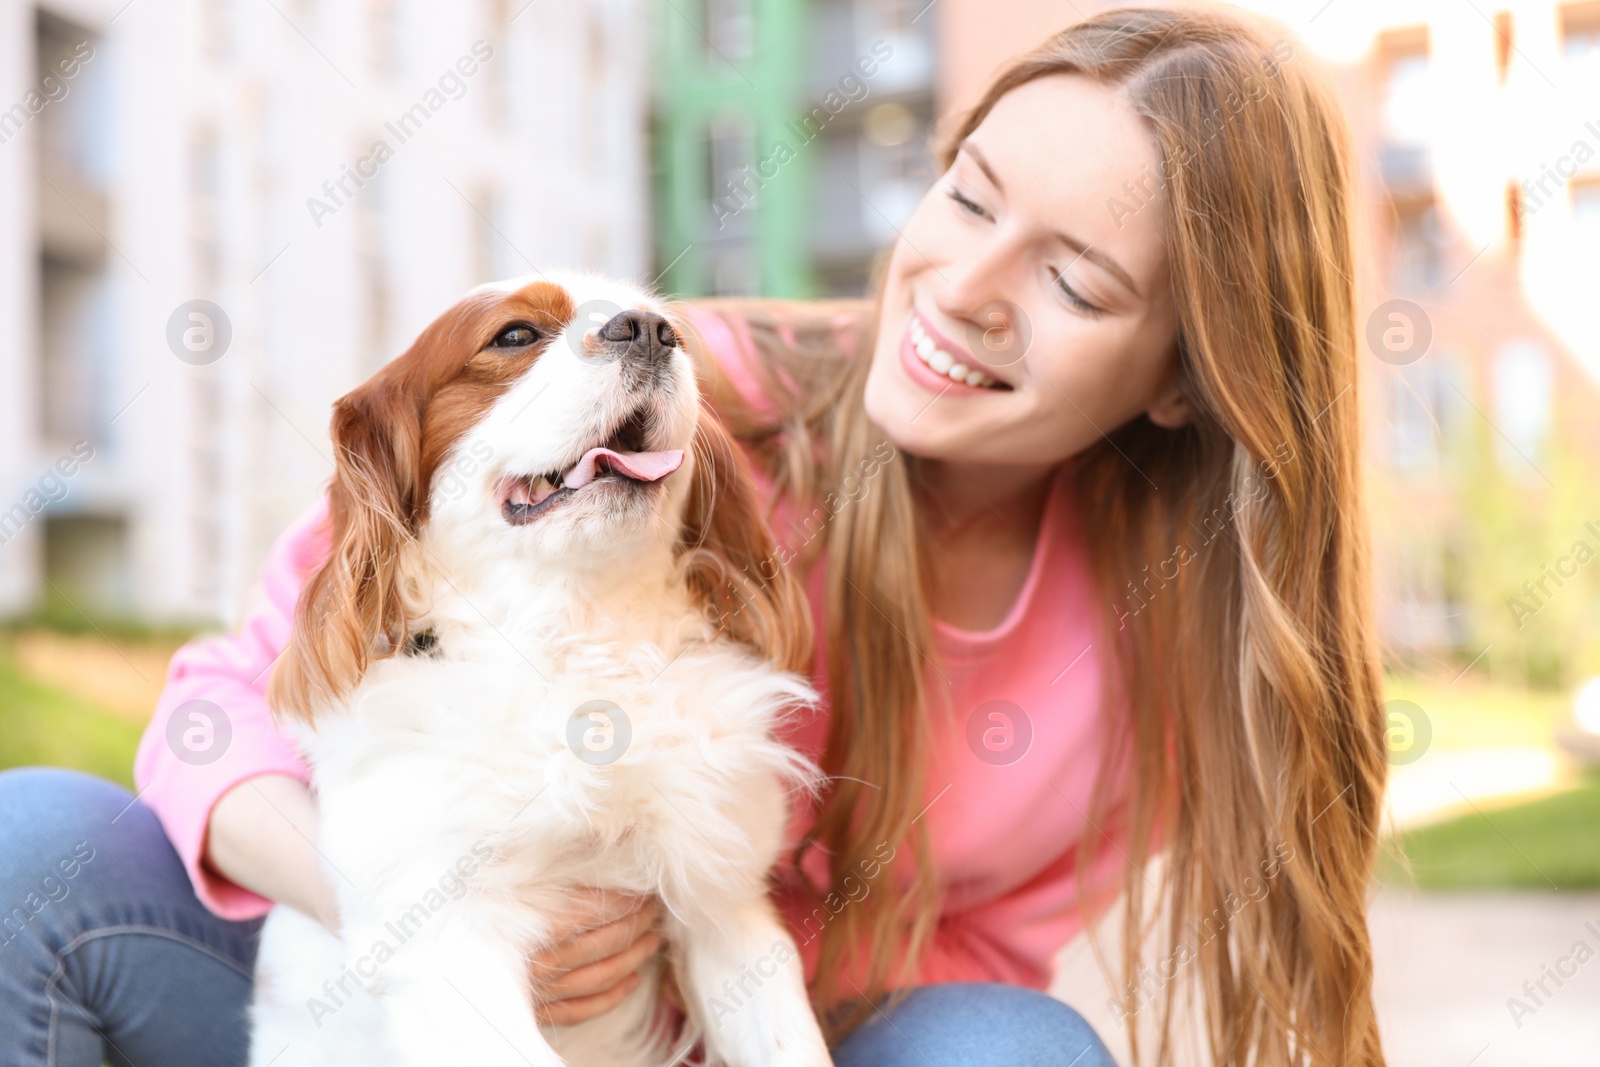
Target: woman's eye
(1074, 298)
(518, 336)
(966, 203)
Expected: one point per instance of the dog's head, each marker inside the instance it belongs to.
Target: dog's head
(537, 428)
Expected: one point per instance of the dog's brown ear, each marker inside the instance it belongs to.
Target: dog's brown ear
(351, 611)
(734, 567)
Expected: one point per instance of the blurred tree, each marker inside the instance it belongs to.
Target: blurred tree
(1529, 551)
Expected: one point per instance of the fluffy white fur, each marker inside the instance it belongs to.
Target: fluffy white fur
(455, 816)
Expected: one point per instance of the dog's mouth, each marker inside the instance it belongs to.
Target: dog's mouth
(621, 458)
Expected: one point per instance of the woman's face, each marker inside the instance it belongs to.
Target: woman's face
(1016, 274)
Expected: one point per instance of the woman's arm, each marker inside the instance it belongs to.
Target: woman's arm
(212, 732)
(260, 837)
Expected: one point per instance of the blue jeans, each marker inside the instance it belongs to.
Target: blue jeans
(106, 955)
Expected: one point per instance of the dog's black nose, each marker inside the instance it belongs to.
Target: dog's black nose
(640, 333)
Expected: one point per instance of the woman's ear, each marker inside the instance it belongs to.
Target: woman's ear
(1171, 409)
(351, 611)
(735, 569)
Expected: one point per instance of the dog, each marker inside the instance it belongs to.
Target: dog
(541, 655)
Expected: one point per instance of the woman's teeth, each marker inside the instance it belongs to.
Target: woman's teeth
(943, 362)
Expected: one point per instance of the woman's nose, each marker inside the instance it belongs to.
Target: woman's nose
(979, 293)
(985, 272)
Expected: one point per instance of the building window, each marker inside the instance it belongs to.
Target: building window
(729, 29)
(1580, 33)
(1586, 209)
(1407, 102)
(1419, 248)
(1426, 415)
(730, 156)
(74, 296)
(1524, 387)
(734, 271)
(1406, 113)
(905, 29)
(87, 564)
(76, 359)
(733, 201)
(892, 180)
(74, 140)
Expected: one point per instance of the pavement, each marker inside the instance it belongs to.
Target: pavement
(1451, 970)
(1458, 975)
(1484, 979)
(1450, 973)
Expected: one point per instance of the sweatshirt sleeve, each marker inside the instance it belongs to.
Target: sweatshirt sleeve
(726, 337)
(212, 729)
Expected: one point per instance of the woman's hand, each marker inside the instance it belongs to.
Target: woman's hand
(596, 962)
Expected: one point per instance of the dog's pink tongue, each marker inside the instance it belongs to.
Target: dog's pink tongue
(640, 466)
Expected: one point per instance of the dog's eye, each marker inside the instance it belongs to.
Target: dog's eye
(518, 335)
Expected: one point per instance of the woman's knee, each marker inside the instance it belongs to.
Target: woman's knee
(53, 825)
(101, 934)
(976, 1025)
(47, 810)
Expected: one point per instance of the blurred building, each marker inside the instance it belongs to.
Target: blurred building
(1481, 148)
(791, 140)
(1478, 137)
(327, 176)
(215, 151)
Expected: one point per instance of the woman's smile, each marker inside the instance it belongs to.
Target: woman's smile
(935, 362)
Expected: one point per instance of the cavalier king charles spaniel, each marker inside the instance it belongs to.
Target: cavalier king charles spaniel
(542, 654)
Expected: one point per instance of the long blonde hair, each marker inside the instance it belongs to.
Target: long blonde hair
(1231, 554)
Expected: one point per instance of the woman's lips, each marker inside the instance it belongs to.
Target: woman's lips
(932, 362)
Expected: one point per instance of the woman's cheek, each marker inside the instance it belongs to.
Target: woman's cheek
(1062, 361)
(1085, 376)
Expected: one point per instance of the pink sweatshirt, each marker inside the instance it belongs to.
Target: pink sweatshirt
(1012, 766)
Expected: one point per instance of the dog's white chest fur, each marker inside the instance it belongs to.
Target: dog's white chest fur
(460, 801)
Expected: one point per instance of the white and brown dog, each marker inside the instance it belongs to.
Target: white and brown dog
(541, 655)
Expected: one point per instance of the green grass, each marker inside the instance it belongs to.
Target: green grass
(1541, 844)
(56, 614)
(41, 725)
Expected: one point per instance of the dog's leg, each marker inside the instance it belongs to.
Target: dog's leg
(440, 950)
(744, 981)
(306, 1011)
(457, 992)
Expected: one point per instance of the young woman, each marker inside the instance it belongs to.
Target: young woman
(1076, 502)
